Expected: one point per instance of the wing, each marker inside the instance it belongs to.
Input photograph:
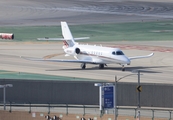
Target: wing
(139, 57)
(59, 60)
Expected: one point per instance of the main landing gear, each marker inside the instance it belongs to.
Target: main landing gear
(101, 66)
(83, 66)
(123, 68)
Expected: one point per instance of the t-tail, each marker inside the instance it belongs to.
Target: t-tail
(68, 38)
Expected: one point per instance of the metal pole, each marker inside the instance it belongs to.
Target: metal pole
(139, 95)
(115, 98)
(153, 115)
(29, 107)
(100, 96)
(83, 110)
(170, 115)
(10, 107)
(66, 109)
(139, 92)
(49, 108)
(4, 98)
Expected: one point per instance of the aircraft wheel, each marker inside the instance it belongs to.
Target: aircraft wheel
(83, 66)
(101, 66)
(123, 68)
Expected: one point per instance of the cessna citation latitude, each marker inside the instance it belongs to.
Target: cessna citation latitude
(89, 54)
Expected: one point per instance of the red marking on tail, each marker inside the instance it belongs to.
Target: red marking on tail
(65, 44)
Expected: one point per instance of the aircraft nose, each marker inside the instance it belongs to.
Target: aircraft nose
(127, 61)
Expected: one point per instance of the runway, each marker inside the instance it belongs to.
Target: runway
(157, 69)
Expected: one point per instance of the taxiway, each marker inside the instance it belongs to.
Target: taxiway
(157, 69)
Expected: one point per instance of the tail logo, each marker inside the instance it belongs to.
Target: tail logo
(66, 45)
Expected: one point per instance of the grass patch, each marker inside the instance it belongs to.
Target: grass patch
(99, 32)
(29, 76)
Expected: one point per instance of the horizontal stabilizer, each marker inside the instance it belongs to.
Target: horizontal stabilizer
(82, 38)
(57, 39)
(139, 57)
(46, 38)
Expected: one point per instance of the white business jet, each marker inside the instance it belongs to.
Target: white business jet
(89, 54)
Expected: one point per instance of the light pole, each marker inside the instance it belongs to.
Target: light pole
(139, 95)
(139, 104)
(115, 98)
(4, 92)
(115, 92)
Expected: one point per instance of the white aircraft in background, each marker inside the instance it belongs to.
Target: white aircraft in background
(89, 54)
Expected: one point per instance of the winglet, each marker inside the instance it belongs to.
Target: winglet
(139, 57)
(150, 54)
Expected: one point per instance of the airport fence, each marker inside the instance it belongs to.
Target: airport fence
(149, 112)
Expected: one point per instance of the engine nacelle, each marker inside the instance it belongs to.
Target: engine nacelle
(7, 35)
(72, 51)
(77, 50)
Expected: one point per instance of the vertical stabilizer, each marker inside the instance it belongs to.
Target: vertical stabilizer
(69, 40)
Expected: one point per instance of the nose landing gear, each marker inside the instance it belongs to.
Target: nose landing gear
(123, 68)
(101, 66)
(83, 65)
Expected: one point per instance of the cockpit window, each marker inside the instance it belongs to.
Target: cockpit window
(117, 53)
(113, 53)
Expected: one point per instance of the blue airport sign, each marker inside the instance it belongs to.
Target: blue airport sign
(108, 97)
